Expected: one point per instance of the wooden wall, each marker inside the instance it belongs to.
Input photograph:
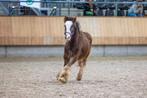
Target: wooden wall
(31, 30)
(49, 30)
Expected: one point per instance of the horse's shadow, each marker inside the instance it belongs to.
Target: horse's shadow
(75, 82)
(85, 82)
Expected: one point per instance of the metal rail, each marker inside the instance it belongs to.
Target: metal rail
(68, 5)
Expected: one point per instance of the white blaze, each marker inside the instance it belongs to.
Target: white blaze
(68, 25)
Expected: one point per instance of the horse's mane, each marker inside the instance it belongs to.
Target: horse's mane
(78, 27)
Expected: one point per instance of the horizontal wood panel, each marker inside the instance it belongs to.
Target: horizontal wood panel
(49, 30)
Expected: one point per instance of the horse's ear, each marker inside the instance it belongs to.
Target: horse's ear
(74, 19)
(65, 18)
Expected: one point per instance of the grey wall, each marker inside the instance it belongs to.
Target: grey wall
(46, 51)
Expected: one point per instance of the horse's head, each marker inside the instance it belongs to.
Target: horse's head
(70, 26)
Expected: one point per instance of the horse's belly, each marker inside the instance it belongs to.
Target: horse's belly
(85, 51)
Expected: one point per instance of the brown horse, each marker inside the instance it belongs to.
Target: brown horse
(77, 48)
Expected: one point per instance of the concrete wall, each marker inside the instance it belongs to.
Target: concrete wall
(46, 51)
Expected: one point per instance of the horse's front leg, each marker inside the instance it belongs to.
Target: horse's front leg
(66, 60)
(64, 74)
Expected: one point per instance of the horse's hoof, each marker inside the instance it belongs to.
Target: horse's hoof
(62, 80)
(78, 79)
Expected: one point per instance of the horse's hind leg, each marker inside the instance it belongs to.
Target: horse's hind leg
(82, 64)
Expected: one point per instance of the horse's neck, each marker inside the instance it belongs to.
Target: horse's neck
(76, 35)
(75, 40)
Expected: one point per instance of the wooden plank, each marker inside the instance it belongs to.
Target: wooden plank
(50, 30)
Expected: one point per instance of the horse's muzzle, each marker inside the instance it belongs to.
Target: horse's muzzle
(67, 35)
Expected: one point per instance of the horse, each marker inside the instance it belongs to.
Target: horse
(77, 48)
